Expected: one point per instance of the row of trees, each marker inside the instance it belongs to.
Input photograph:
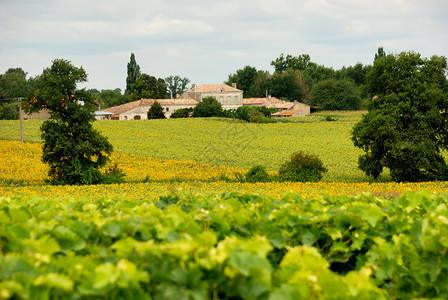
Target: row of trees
(298, 78)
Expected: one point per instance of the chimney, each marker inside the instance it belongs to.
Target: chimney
(234, 85)
(193, 87)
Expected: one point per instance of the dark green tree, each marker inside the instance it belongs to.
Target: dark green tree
(208, 107)
(73, 149)
(406, 127)
(13, 85)
(244, 79)
(335, 94)
(288, 85)
(380, 53)
(176, 85)
(133, 73)
(156, 111)
(282, 63)
(148, 87)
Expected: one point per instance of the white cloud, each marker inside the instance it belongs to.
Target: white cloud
(208, 40)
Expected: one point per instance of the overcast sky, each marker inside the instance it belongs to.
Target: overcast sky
(206, 40)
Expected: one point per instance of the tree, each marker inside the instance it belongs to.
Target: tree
(406, 127)
(73, 149)
(133, 73)
(335, 94)
(244, 79)
(148, 87)
(288, 85)
(208, 107)
(380, 53)
(156, 111)
(301, 62)
(13, 84)
(177, 85)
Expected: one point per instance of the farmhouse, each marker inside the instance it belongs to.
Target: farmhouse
(138, 110)
(229, 96)
(286, 108)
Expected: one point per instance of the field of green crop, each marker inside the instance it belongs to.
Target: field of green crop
(225, 142)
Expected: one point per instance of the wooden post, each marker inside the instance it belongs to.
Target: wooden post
(21, 113)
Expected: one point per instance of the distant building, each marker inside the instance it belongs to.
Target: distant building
(138, 110)
(229, 96)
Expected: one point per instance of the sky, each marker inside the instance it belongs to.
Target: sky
(207, 40)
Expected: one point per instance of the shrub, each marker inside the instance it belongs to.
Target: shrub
(302, 167)
(257, 174)
(156, 111)
(209, 107)
(182, 113)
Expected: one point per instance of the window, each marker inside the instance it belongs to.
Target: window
(221, 99)
(167, 109)
(236, 100)
(229, 99)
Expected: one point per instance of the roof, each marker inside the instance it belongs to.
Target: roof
(148, 102)
(280, 105)
(102, 113)
(285, 113)
(255, 101)
(213, 88)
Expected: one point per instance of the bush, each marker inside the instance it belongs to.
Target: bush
(302, 167)
(182, 113)
(156, 111)
(9, 111)
(209, 107)
(257, 174)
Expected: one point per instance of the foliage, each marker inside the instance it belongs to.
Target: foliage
(9, 111)
(148, 87)
(357, 73)
(335, 94)
(156, 111)
(244, 79)
(208, 107)
(288, 85)
(302, 167)
(73, 150)
(110, 98)
(177, 85)
(228, 246)
(301, 62)
(182, 113)
(133, 71)
(406, 127)
(257, 174)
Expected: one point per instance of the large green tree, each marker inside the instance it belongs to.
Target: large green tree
(406, 127)
(148, 87)
(288, 85)
(244, 79)
(335, 94)
(133, 73)
(73, 149)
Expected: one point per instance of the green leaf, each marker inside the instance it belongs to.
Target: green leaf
(285, 292)
(372, 215)
(54, 280)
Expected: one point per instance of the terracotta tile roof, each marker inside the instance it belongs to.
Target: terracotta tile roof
(128, 106)
(148, 102)
(213, 88)
(254, 101)
(280, 105)
(285, 113)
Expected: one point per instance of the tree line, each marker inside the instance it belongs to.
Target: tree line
(294, 78)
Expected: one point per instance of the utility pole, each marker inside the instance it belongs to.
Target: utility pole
(21, 113)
